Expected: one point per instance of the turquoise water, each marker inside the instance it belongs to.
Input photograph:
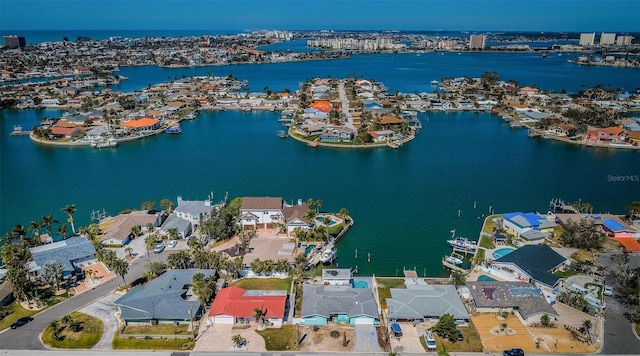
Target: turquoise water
(360, 284)
(404, 202)
(320, 219)
(502, 252)
(308, 249)
(484, 278)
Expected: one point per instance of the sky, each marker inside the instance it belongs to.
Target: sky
(427, 15)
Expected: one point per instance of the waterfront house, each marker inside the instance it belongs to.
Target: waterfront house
(168, 299)
(260, 212)
(233, 305)
(142, 124)
(425, 301)
(294, 217)
(382, 135)
(338, 303)
(389, 122)
(561, 129)
(336, 276)
(534, 264)
(607, 134)
(523, 298)
(183, 227)
(194, 211)
(610, 224)
(519, 223)
(58, 132)
(118, 232)
(70, 253)
(337, 135)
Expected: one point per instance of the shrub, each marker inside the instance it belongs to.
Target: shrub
(334, 334)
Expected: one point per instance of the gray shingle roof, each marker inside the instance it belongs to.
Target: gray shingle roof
(194, 207)
(527, 298)
(537, 261)
(163, 298)
(428, 301)
(66, 251)
(332, 300)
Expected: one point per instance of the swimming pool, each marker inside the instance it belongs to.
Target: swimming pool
(502, 252)
(321, 219)
(360, 284)
(484, 278)
(309, 249)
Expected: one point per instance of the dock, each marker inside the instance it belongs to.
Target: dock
(314, 143)
(452, 267)
(18, 131)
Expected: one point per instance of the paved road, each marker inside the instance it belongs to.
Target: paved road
(618, 335)
(28, 337)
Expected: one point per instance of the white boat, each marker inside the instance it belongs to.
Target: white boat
(434, 82)
(112, 142)
(461, 243)
(453, 259)
(328, 255)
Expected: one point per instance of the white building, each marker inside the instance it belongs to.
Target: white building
(624, 40)
(587, 39)
(607, 39)
(477, 42)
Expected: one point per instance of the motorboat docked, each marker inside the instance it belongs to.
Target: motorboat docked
(190, 116)
(461, 243)
(454, 259)
(173, 129)
(434, 82)
(17, 131)
(101, 143)
(394, 144)
(328, 255)
(283, 134)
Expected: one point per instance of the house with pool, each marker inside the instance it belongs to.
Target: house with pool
(534, 264)
(340, 299)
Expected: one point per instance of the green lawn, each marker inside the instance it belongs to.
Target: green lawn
(86, 338)
(586, 285)
(278, 339)
(479, 256)
(486, 242)
(160, 329)
(264, 283)
(13, 312)
(490, 225)
(471, 342)
(385, 285)
(131, 343)
(564, 274)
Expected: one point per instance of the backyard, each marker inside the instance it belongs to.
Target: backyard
(264, 283)
(384, 288)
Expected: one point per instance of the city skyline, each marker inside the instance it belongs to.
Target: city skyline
(456, 15)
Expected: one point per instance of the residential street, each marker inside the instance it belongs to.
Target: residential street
(27, 336)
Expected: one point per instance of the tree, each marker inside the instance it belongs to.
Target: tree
(203, 287)
(150, 242)
(260, 316)
(179, 259)
(62, 230)
(128, 250)
(458, 278)
(150, 228)
(155, 269)
(166, 205)
(545, 320)
(121, 267)
(344, 213)
(149, 205)
(633, 208)
(586, 327)
(446, 327)
(238, 340)
(583, 234)
(20, 283)
(53, 273)
(70, 210)
(135, 231)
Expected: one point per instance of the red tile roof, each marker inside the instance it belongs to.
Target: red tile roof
(231, 301)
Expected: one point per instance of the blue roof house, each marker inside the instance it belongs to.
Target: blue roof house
(531, 227)
(69, 253)
(166, 299)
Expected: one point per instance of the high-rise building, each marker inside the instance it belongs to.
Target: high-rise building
(607, 39)
(587, 39)
(624, 40)
(477, 42)
(14, 41)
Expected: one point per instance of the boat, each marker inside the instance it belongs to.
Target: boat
(434, 82)
(283, 134)
(100, 143)
(17, 131)
(190, 116)
(454, 259)
(395, 144)
(461, 243)
(173, 129)
(112, 142)
(328, 255)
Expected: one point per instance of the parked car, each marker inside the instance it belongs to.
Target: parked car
(172, 244)
(22, 321)
(430, 341)
(459, 336)
(513, 352)
(608, 291)
(159, 248)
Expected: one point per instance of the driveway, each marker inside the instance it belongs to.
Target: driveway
(409, 342)
(105, 310)
(217, 338)
(366, 339)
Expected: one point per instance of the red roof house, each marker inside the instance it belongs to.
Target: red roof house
(233, 304)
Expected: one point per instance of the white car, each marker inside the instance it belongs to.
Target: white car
(608, 291)
(172, 244)
(159, 248)
(430, 341)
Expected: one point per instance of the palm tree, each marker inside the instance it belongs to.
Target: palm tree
(238, 340)
(70, 210)
(260, 316)
(344, 213)
(135, 231)
(150, 227)
(121, 267)
(62, 230)
(149, 242)
(633, 208)
(33, 227)
(586, 326)
(128, 250)
(47, 223)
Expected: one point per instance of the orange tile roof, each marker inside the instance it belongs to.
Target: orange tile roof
(65, 123)
(231, 301)
(65, 131)
(143, 122)
(321, 105)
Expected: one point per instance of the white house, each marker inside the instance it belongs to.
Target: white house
(260, 212)
(194, 210)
